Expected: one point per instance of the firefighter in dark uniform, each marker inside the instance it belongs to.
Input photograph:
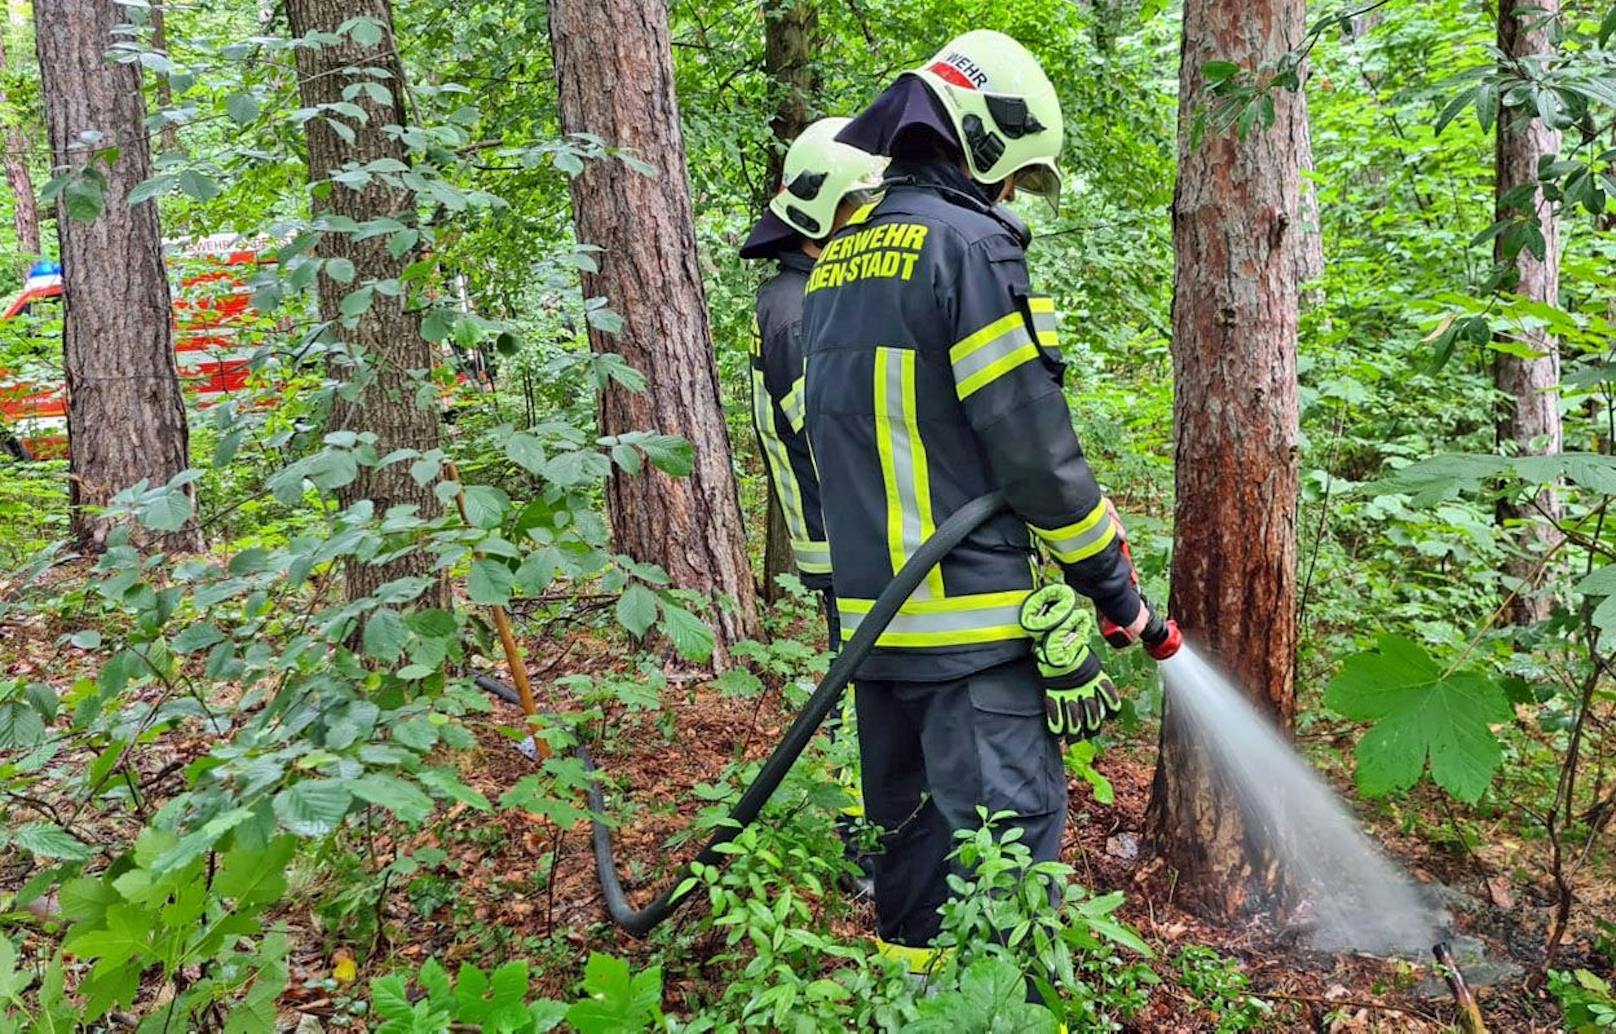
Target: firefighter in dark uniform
(933, 377)
(822, 184)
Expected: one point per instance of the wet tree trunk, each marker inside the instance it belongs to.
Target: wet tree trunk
(790, 28)
(393, 398)
(24, 212)
(1236, 241)
(1529, 422)
(614, 73)
(125, 414)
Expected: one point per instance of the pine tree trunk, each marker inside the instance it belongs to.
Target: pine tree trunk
(1236, 239)
(614, 73)
(393, 402)
(1530, 421)
(24, 212)
(125, 414)
(789, 30)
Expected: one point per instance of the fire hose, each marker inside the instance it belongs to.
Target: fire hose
(824, 700)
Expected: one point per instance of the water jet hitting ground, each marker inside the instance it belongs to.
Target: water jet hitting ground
(1351, 896)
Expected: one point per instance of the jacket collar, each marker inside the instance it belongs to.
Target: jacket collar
(937, 174)
(795, 259)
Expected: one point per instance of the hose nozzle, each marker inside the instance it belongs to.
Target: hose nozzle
(1161, 639)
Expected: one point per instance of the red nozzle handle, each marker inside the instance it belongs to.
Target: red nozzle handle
(1161, 638)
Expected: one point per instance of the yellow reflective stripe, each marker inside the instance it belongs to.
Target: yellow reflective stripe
(1045, 322)
(862, 213)
(917, 448)
(919, 961)
(904, 474)
(777, 459)
(792, 404)
(954, 621)
(990, 353)
(1083, 539)
(977, 339)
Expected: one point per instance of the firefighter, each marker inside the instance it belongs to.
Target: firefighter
(822, 184)
(932, 377)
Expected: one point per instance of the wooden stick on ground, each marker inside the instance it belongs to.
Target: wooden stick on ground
(1470, 1020)
(502, 624)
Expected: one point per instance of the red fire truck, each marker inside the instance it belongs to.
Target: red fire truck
(213, 340)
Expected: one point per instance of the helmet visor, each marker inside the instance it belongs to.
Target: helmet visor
(1043, 181)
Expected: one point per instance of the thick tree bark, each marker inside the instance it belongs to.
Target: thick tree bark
(393, 402)
(125, 414)
(790, 28)
(24, 212)
(614, 73)
(1530, 419)
(1236, 242)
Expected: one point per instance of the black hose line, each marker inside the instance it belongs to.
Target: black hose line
(639, 922)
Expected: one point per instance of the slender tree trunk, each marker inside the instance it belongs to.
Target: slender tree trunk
(394, 399)
(790, 28)
(125, 414)
(614, 73)
(24, 212)
(169, 134)
(1530, 419)
(1236, 241)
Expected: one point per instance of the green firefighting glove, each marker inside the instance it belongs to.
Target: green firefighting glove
(1078, 696)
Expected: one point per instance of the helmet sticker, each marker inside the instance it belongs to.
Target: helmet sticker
(957, 69)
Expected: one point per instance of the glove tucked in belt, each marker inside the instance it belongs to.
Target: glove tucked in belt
(1078, 696)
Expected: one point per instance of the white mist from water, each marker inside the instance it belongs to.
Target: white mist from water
(1347, 894)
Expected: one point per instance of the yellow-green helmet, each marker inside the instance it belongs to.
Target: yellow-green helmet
(819, 174)
(1002, 106)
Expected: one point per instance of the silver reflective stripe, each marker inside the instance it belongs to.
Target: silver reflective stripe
(1081, 540)
(947, 621)
(981, 358)
(777, 459)
(791, 405)
(901, 450)
(1045, 322)
(812, 557)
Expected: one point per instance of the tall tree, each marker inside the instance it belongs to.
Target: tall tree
(1236, 237)
(24, 212)
(790, 28)
(383, 394)
(614, 72)
(1529, 421)
(125, 413)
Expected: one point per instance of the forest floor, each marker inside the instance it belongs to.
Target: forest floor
(488, 898)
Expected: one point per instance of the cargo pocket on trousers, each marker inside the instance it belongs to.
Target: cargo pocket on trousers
(1019, 760)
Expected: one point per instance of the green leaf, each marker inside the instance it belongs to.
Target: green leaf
(198, 636)
(1430, 481)
(255, 876)
(242, 108)
(125, 935)
(403, 799)
(526, 452)
(691, 636)
(84, 196)
(616, 1002)
(385, 635)
(199, 185)
(670, 454)
(1419, 713)
(991, 998)
(48, 840)
(20, 725)
(486, 506)
(637, 609)
(357, 303)
(313, 807)
(340, 269)
(167, 510)
(489, 583)
(1218, 71)
(154, 187)
(446, 782)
